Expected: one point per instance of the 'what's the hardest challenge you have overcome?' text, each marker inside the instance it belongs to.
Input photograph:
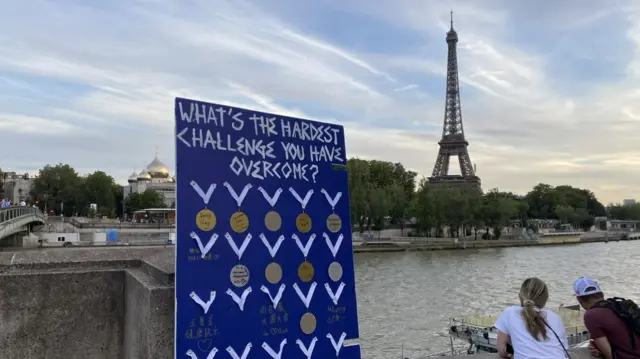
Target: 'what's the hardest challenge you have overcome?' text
(261, 146)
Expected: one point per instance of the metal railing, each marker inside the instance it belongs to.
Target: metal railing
(116, 225)
(10, 213)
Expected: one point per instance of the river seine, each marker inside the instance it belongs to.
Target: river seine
(405, 299)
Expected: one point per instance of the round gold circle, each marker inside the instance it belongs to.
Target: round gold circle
(272, 221)
(308, 323)
(305, 272)
(273, 273)
(335, 271)
(239, 275)
(239, 222)
(334, 223)
(206, 220)
(303, 222)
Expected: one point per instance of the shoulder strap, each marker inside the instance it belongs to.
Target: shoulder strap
(556, 335)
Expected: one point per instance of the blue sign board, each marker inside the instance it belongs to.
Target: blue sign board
(264, 258)
(112, 235)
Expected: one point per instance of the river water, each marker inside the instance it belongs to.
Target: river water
(405, 299)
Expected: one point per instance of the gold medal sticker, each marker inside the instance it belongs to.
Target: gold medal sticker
(273, 273)
(335, 271)
(239, 222)
(205, 220)
(239, 276)
(305, 272)
(334, 223)
(303, 222)
(272, 221)
(308, 323)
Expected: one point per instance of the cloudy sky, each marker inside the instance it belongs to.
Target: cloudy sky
(550, 89)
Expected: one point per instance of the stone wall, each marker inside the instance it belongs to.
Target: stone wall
(89, 303)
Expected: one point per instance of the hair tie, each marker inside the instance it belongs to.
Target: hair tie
(528, 302)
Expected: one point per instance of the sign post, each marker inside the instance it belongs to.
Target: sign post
(264, 258)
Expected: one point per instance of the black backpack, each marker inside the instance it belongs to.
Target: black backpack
(626, 310)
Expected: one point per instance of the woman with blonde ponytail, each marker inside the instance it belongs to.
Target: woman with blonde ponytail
(532, 331)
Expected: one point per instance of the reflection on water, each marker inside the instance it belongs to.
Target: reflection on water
(406, 298)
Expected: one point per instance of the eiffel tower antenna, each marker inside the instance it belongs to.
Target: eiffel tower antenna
(451, 18)
(453, 142)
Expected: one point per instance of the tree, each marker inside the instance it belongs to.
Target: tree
(379, 205)
(398, 205)
(498, 209)
(144, 200)
(625, 213)
(116, 189)
(379, 191)
(358, 177)
(563, 212)
(544, 201)
(476, 211)
(98, 189)
(422, 209)
(580, 218)
(522, 210)
(60, 188)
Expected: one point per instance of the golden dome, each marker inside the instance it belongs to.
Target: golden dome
(133, 177)
(157, 169)
(144, 176)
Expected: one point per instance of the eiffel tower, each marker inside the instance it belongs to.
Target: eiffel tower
(453, 142)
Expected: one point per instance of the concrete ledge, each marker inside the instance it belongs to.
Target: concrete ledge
(149, 316)
(62, 315)
(578, 353)
(87, 303)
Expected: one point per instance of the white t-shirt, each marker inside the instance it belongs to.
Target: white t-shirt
(525, 346)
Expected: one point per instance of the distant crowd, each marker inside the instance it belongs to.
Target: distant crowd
(6, 203)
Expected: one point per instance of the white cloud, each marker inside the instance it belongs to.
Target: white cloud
(13, 123)
(100, 83)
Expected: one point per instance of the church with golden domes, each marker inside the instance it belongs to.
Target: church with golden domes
(155, 176)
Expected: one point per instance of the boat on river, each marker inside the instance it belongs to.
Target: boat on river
(481, 334)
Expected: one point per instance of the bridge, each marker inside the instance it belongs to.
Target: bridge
(17, 220)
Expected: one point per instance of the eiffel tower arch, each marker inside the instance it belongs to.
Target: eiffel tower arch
(453, 142)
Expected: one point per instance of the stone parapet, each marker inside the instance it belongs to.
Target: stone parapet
(87, 303)
(577, 353)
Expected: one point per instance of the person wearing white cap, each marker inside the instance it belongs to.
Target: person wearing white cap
(613, 324)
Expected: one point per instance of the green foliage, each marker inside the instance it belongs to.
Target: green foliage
(380, 193)
(146, 199)
(630, 212)
(461, 208)
(384, 193)
(62, 189)
(544, 200)
(570, 205)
